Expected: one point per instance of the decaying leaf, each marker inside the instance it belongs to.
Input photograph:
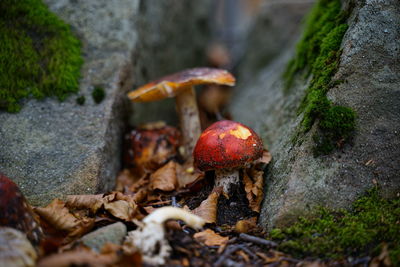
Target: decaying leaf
(58, 216)
(187, 175)
(265, 159)
(210, 238)
(78, 258)
(253, 185)
(245, 226)
(383, 259)
(91, 202)
(164, 178)
(121, 209)
(117, 204)
(208, 208)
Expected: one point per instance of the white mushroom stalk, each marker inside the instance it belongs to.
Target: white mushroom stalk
(150, 239)
(189, 118)
(226, 178)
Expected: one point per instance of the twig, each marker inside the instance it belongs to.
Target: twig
(258, 240)
(228, 251)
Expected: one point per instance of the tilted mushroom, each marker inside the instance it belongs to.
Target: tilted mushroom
(226, 146)
(150, 239)
(181, 85)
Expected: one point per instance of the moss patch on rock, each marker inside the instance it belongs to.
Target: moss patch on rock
(372, 222)
(39, 56)
(318, 54)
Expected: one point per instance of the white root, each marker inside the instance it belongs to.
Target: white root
(150, 239)
(226, 178)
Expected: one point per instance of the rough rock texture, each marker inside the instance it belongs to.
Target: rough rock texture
(113, 233)
(296, 181)
(51, 149)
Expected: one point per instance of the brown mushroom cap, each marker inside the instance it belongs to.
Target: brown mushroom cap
(227, 144)
(171, 85)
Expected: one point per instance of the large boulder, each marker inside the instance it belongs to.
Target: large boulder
(368, 82)
(51, 149)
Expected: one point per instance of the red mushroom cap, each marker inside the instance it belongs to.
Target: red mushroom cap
(227, 144)
(15, 212)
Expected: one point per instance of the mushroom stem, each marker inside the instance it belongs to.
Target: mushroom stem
(226, 178)
(188, 112)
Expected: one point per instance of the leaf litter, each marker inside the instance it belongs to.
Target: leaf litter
(155, 176)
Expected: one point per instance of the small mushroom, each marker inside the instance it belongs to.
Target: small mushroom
(150, 239)
(181, 85)
(226, 146)
(16, 212)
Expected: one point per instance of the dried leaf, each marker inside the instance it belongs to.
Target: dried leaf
(266, 158)
(383, 259)
(210, 238)
(121, 209)
(78, 258)
(164, 178)
(253, 185)
(208, 208)
(92, 202)
(186, 175)
(245, 226)
(58, 216)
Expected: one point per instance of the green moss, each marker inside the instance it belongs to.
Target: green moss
(39, 56)
(81, 100)
(98, 94)
(318, 54)
(337, 234)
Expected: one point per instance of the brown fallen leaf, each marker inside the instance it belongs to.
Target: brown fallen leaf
(121, 209)
(208, 208)
(383, 259)
(186, 175)
(253, 185)
(58, 216)
(78, 258)
(91, 202)
(245, 226)
(164, 178)
(210, 238)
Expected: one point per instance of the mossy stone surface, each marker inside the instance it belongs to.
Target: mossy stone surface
(39, 55)
(317, 54)
(361, 231)
(363, 89)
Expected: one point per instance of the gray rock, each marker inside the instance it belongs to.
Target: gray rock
(113, 233)
(296, 181)
(51, 149)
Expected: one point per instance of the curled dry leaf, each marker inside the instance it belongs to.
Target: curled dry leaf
(91, 202)
(245, 226)
(208, 208)
(117, 204)
(253, 185)
(164, 178)
(78, 258)
(265, 159)
(58, 216)
(186, 175)
(210, 238)
(121, 209)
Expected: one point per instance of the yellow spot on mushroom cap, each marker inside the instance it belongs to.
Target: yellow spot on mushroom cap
(239, 132)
